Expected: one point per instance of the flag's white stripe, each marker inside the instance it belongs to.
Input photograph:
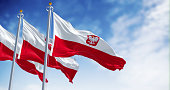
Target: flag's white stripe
(68, 62)
(37, 65)
(64, 30)
(32, 35)
(8, 39)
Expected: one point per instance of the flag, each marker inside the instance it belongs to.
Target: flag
(67, 65)
(33, 48)
(7, 44)
(31, 67)
(69, 42)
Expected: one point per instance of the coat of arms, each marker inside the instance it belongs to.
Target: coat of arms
(92, 40)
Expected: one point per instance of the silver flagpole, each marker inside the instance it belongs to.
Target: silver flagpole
(49, 9)
(20, 16)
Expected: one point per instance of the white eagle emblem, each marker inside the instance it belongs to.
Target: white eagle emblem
(92, 40)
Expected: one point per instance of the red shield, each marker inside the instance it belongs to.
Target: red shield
(92, 40)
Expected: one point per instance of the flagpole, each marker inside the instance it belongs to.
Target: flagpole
(49, 9)
(20, 16)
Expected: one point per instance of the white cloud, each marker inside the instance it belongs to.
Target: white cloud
(144, 48)
(2, 88)
(150, 3)
(119, 1)
(33, 87)
(112, 12)
(28, 87)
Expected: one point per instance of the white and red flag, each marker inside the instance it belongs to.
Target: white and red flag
(69, 42)
(7, 44)
(33, 49)
(31, 67)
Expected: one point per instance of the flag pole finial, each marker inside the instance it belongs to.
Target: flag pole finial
(20, 11)
(50, 3)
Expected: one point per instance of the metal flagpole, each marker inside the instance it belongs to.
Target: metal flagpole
(20, 16)
(49, 9)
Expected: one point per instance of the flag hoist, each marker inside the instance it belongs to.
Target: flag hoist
(20, 16)
(49, 9)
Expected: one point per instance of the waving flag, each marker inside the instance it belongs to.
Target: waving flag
(68, 66)
(33, 49)
(69, 42)
(7, 44)
(31, 67)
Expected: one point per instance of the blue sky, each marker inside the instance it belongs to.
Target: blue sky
(136, 29)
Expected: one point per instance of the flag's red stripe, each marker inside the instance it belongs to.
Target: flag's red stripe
(5, 53)
(29, 52)
(70, 72)
(30, 68)
(65, 48)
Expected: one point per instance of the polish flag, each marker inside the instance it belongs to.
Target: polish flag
(7, 44)
(31, 67)
(69, 42)
(67, 65)
(33, 48)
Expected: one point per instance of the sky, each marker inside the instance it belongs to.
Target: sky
(137, 30)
